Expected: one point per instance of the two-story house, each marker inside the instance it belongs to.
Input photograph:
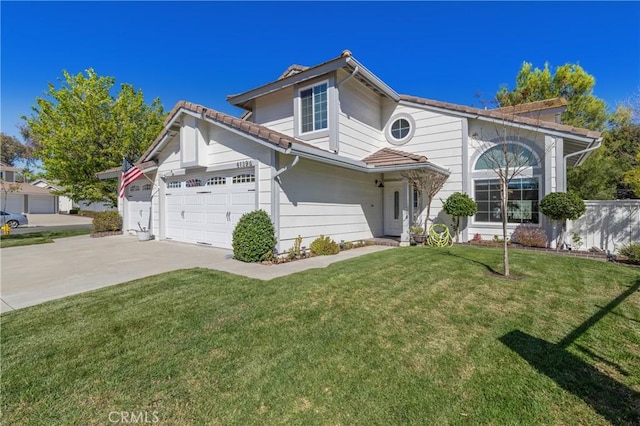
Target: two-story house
(324, 150)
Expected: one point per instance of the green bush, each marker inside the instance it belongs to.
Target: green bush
(562, 206)
(459, 205)
(632, 251)
(107, 221)
(254, 237)
(529, 236)
(324, 245)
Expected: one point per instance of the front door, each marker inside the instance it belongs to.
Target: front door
(393, 208)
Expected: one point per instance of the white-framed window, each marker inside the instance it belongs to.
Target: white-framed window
(314, 108)
(517, 154)
(134, 188)
(522, 204)
(400, 129)
(146, 187)
(193, 183)
(174, 184)
(216, 180)
(244, 178)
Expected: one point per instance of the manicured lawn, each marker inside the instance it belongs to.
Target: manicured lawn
(405, 336)
(44, 237)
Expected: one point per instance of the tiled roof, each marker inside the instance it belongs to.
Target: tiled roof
(393, 157)
(27, 188)
(8, 168)
(503, 116)
(261, 132)
(534, 106)
(293, 69)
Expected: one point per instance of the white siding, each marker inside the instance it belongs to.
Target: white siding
(317, 199)
(360, 119)
(275, 111)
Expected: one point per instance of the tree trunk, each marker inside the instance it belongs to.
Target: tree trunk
(456, 228)
(504, 197)
(426, 218)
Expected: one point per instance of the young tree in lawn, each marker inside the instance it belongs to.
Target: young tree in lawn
(506, 152)
(562, 206)
(82, 128)
(459, 205)
(427, 183)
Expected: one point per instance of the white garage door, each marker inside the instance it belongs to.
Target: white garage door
(13, 203)
(42, 204)
(205, 209)
(138, 213)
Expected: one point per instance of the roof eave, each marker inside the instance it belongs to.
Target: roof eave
(572, 136)
(242, 100)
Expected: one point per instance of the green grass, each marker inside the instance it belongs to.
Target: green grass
(42, 237)
(406, 336)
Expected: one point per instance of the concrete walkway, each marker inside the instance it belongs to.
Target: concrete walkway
(36, 220)
(38, 273)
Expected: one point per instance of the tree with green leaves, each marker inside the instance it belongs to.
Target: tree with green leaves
(82, 128)
(12, 150)
(604, 175)
(459, 205)
(560, 207)
(569, 81)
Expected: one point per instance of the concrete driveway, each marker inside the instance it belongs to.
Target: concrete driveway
(38, 273)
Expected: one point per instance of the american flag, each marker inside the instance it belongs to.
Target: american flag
(129, 174)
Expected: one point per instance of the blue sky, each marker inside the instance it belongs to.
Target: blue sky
(204, 51)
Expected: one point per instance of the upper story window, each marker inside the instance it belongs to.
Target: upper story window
(400, 129)
(313, 108)
(498, 156)
(134, 188)
(174, 184)
(146, 187)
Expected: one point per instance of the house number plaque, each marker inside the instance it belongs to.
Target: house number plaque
(243, 164)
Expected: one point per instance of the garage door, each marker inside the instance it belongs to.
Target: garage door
(42, 204)
(139, 206)
(13, 203)
(205, 209)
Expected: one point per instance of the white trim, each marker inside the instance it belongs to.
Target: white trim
(299, 90)
(412, 129)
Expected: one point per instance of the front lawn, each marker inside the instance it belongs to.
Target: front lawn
(404, 336)
(39, 237)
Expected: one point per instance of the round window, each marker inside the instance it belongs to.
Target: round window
(400, 129)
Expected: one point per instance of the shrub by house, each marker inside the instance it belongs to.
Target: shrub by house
(254, 237)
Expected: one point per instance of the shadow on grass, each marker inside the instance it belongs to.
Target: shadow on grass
(613, 400)
(477, 262)
(616, 402)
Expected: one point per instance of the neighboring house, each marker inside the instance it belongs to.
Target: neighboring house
(22, 197)
(323, 149)
(65, 204)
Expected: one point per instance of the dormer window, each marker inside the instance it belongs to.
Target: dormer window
(313, 108)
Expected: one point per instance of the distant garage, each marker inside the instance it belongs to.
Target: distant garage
(26, 198)
(205, 208)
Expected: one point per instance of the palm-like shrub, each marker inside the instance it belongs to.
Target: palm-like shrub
(459, 205)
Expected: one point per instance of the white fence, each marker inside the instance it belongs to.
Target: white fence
(607, 224)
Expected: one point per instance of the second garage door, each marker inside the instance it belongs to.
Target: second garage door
(205, 209)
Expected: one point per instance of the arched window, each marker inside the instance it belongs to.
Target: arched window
(498, 156)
